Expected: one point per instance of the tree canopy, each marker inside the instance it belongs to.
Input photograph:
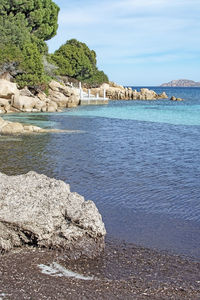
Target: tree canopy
(75, 59)
(25, 25)
(39, 16)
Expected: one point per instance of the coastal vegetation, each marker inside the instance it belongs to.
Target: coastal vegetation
(25, 27)
(78, 61)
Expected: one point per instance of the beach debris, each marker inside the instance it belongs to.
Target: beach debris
(57, 270)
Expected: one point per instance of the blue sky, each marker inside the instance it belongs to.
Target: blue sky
(138, 42)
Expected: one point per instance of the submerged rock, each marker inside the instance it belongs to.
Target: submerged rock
(16, 128)
(173, 98)
(10, 128)
(39, 211)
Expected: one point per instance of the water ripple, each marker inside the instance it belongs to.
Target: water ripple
(143, 176)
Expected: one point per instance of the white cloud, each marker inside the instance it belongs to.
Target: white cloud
(132, 31)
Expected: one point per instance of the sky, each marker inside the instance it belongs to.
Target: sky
(137, 42)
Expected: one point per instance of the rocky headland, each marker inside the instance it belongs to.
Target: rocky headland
(37, 211)
(118, 92)
(62, 95)
(182, 83)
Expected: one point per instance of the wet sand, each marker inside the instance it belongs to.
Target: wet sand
(123, 271)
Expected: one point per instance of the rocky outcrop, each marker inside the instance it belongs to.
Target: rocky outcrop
(14, 100)
(118, 92)
(42, 212)
(63, 95)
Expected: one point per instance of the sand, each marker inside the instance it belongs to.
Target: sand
(123, 271)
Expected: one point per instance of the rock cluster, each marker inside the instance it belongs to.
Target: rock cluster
(118, 92)
(42, 212)
(14, 100)
(173, 98)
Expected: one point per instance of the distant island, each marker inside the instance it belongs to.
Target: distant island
(182, 83)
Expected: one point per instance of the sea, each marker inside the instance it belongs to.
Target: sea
(139, 161)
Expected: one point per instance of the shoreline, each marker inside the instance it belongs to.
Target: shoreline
(123, 271)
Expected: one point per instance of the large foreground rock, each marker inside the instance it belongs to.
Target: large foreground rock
(39, 211)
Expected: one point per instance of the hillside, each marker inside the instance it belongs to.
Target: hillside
(182, 82)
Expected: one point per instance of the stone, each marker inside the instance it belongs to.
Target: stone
(51, 106)
(12, 128)
(37, 211)
(73, 101)
(27, 104)
(55, 86)
(42, 96)
(173, 98)
(5, 105)
(26, 92)
(59, 98)
(65, 96)
(8, 89)
(163, 95)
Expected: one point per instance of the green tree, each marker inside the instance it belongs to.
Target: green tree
(32, 65)
(10, 59)
(97, 78)
(14, 30)
(40, 16)
(76, 60)
(25, 25)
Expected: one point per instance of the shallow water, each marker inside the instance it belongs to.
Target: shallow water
(138, 160)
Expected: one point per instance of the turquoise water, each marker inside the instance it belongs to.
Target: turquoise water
(139, 161)
(176, 114)
(186, 112)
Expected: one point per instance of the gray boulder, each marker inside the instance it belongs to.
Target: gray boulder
(39, 211)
